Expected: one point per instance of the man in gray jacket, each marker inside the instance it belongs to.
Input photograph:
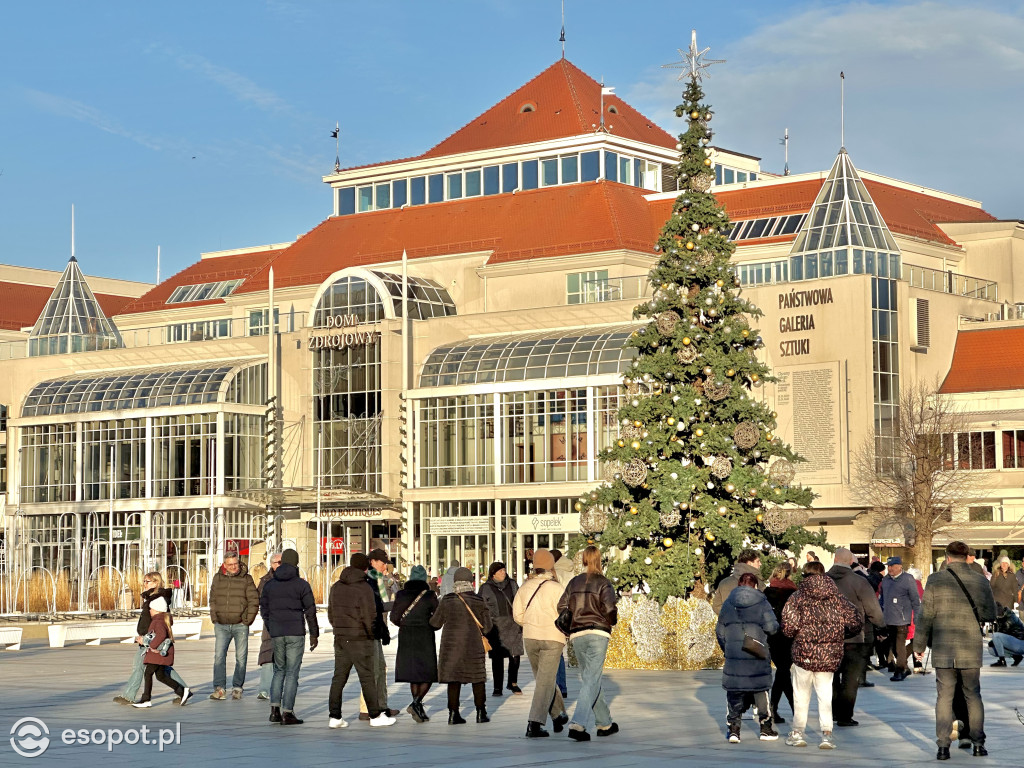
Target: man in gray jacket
(900, 602)
(956, 601)
(856, 649)
(749, 561)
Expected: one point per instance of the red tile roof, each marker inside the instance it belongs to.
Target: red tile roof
(566, 102)
(210, 270)
(986, 360)
(21, 305)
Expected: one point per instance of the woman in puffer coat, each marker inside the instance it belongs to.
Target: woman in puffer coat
(819, 619)
(747, 677)
(499, 592)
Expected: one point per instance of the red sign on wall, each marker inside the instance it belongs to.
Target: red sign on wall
(332, 545)
(237, 546)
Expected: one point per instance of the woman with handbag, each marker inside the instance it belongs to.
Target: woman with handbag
(416, 660)
(536, 608)
(160, 655)
(587, 613)
(744, 623)
(465, 620)
(499, 591)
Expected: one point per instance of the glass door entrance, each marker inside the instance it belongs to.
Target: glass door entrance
(472, 551)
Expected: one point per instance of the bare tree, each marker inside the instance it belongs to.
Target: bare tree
(924, 472)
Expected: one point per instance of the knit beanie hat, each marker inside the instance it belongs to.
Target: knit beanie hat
(360, 561)
(543, 559)
(290, 557)
(464, 574)
(159, 605)
(418, 573)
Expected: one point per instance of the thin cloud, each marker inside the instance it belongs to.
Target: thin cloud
(239, 86)
(61, 106)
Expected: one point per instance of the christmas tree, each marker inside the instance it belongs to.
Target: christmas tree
(697, 474)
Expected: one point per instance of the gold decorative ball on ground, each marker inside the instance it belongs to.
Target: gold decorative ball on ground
(746, 435)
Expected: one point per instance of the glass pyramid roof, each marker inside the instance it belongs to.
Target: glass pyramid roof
(843, 215)
(72, 320)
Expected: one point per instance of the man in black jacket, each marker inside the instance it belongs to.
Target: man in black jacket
(1008, 637)
(856, 649)
(382, 636)
(354, 614)
(286, 600)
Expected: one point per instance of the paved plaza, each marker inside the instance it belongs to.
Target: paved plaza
(666, 718)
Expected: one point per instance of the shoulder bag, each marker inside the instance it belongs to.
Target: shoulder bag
(479, 626)
(977, 618)
(413, 604)
(754, 647)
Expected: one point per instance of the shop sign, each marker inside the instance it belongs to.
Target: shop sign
(332, 545)
(457, 526)
(131, 533)
(341, 332)
(569, 523)
(376, 513)
(237, 546)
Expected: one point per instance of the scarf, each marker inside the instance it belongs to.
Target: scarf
(462, 586)
(782, 583)
(382, 588)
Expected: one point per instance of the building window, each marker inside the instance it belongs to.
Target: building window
(570, 169)
(764, 272)
(201, 330)
(258, 321)
(183, 455)
(473, 184)
(364, 199)
(1013, 449)
(346, 201)
(114, 459)
(3, 418)
(980, 514)
(545, 436)
(587, 287)
(3, 469)
(611, 166)
(383, 197)
(549, 171)
(971, 450)
(435, 188)
(454, 186)
(243, 451)
(203, 291)
(491, 184)
(509, 177)
(398, 190)
(48, 463)
(418, 190)
(456, 441)
(530, 170)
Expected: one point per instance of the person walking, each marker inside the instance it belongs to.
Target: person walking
(1008, 637)
(499, 592)
(352, 612)
(465, 620)
(565, 570)
(591, 601)
(234, 603)
(1004, 584)
(382, 582)
(957, 601)
(448, 578)
(153, 587)
(265, 659)
(857, 648)
(744, 625)
(819, 619)
(416, 660)
(749, 561)
(899, 600)
(780, 588)
(160, 655)
(287, 599)
(536, 608)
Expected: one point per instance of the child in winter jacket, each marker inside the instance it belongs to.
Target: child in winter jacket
(819, 619)
(160, 656)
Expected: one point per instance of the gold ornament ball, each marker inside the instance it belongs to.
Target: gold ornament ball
(708, 370)
(720, 283)
(775, 415)
(634, 511)
(694, 115)
(730, 487)
(673, 439)
(667, 543)
(753, 491)
(635, 445)
(670, 421)
(760, 518)
(722, 510)
(754, 376)
(699, 432)
(690, 245)
(710, 536)
(744, 333)
(730, 372)
(622, 443)
(768, 435)
(578, 506)
(637, 424)
(686, 341)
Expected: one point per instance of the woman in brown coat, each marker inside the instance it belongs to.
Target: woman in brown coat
(1004, 584)
(464, 618)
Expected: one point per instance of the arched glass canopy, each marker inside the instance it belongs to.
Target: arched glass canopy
(155, 388)
(372, 296)
(585, 352)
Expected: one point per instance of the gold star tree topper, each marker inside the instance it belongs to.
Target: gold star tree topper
(693, 64)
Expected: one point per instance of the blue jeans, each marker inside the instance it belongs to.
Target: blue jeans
(224, 634)
(131, 688)
(266, 677)
(560, 681)
(590, 652)
(1003, 645)
(288, 650)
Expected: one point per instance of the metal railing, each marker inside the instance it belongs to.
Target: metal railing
(950, 282)
(184, 332)
(611, 289)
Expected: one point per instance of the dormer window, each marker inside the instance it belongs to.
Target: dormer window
(613, 109)
(528, 107)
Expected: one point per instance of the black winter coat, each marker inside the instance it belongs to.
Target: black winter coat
(266, 655)
(286, 600)
(148, 597)
(461, 658)
(781, 647)
(857, 590)
(745, 612)
(416, 660)
(351, 608)
(509, 635)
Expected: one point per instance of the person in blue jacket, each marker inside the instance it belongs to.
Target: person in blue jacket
(900, 602)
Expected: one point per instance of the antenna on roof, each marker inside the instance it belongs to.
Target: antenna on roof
(784, 141)
(842, 110)
(561, 39)
(158, 265)
(605, 91)
(72, 232)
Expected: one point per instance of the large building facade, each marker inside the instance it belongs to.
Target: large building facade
(436, 366)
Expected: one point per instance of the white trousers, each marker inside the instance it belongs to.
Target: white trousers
(803, 681)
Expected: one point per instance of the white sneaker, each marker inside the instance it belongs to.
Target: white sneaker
(382, 720)
(142, 704)
(185, 696)
(337, 722)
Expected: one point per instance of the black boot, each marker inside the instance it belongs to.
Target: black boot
(559, 722)
(275, 714)
(979, 750)
(416, 710)
(1017, 659)
(1000, 662)
(454, 718)
(942, 754)
(289, 718)
(535, 730)
(481, 715)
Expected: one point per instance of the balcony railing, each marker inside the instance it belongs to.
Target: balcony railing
(611, 289)
(949, 282)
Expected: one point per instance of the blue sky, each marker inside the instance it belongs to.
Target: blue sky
(205, 126)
